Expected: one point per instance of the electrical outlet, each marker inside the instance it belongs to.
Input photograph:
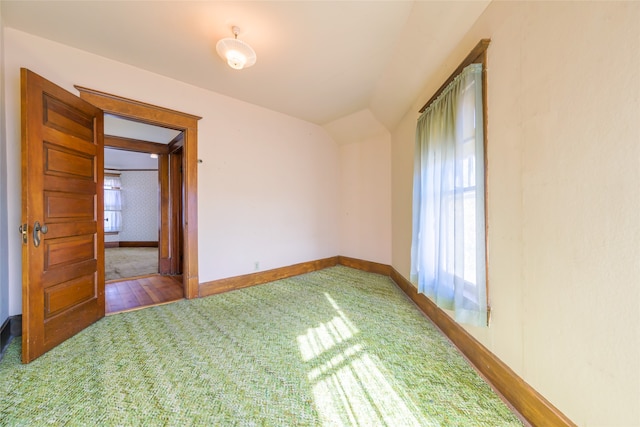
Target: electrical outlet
(256, 266)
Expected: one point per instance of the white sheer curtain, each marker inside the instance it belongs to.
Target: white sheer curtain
(448, 241)
(112, 204)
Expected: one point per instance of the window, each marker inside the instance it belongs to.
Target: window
(448, 251)
(112, 203)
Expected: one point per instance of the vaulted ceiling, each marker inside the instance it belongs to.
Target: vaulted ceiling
(339, 64)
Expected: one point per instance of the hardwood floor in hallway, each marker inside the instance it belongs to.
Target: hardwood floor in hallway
(140, 292)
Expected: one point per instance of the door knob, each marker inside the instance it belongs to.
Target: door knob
(37, 228)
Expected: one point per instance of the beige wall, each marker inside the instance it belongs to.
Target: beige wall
(365, 199)
(563, 200)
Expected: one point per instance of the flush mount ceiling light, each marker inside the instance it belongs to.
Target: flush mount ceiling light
(237, 53)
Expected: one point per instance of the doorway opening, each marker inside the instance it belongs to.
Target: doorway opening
(177, 240)
(140, 191)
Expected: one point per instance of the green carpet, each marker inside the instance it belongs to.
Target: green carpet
(334, 347)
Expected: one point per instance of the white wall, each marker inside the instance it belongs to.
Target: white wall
(4, 256)
(563, 200)
(110, 238)
(267, 187)
(140, 206)
(365, 199)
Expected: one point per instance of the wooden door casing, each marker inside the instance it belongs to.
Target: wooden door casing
(188, 124)
(62, 176)
(177, 201)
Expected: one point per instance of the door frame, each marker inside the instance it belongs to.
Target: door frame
(188, 124)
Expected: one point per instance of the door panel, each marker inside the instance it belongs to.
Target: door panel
(60, 273)
(67, 251)
(69, 164)
(60, 205)
(66, 118)
(65, 295)
(62, 176)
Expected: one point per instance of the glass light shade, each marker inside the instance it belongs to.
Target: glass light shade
(236, 60)
(236, 53)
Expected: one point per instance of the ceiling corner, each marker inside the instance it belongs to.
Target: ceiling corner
(356, 127)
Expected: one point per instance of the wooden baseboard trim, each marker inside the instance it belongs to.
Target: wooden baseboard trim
(111, 244)
(253, 279)
(531, 405)
(371, 267)
(11, 328)
(137, 244)
(164, 265)
(525, 399)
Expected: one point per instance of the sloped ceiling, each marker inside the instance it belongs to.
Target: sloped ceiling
(320, 61)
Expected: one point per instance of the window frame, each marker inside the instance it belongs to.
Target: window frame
(478, 55)
(119, 190)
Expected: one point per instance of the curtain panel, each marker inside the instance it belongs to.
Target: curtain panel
(448, 260)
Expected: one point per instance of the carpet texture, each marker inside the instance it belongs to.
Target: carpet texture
(129, 262)
(329, 348)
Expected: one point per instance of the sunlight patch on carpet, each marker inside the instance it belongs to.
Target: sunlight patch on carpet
(350, 388)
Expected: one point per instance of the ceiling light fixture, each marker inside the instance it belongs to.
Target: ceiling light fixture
(237, 53)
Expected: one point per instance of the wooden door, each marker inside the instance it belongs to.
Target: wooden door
(62, 229)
